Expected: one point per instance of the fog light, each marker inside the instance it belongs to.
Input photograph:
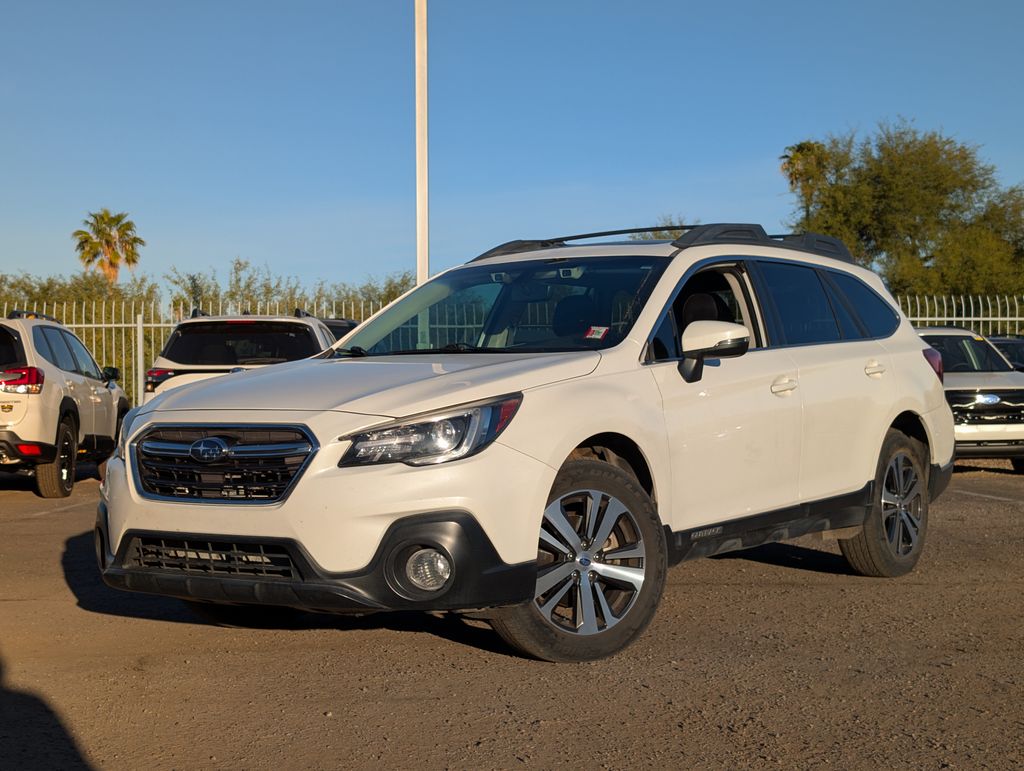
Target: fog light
(428, 569)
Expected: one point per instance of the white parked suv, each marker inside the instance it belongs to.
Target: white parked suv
(206, 346)
(56, 405)
(535, 436)
(985, 393)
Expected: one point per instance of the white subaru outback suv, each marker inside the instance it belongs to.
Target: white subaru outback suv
(206, 346)
(535, 436)
(56, 405)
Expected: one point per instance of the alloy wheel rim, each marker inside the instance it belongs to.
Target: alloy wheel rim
(591, 560)
(902, 505)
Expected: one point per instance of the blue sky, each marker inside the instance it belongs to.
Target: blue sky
(283, 132)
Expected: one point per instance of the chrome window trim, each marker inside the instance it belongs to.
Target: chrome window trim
(312, 443)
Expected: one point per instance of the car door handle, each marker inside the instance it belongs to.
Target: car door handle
(874, 369)
(784, 386)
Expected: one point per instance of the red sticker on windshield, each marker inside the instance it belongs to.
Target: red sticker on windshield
(596, 333)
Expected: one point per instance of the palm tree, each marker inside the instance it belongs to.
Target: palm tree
(108, 240)
(804, 165)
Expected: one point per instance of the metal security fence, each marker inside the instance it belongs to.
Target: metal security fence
(129, 335)
(984, 314)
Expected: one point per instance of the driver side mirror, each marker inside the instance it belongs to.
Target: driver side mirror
(704, 340)
(111, 373)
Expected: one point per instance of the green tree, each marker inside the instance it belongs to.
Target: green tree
(922, 208)
(666, 231)
(108, 241)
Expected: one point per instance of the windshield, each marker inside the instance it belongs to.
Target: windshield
(1012, 350)
(961, 353)
(240, 342)
(536, 306)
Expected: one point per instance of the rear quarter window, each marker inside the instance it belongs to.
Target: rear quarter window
(12, 354)
(878, 317)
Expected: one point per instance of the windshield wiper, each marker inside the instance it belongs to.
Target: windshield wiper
(355, 350)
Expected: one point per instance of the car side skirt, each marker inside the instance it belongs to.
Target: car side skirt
(849, 510)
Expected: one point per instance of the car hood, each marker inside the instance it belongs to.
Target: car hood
(389, 386)
(972, 381)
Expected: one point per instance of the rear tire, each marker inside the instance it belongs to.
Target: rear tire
(892, 539)
(1018, 465)
(57, 479)
(601, 568)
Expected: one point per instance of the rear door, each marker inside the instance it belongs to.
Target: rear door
(845, 379)
(52, 346)
(100, 395)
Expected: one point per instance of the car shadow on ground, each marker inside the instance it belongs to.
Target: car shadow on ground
(32, 735)
(14, 481)
(789, 555)
(82, 577)
(991, 466)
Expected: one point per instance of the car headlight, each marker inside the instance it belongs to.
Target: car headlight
(126, 429)
(434, 438)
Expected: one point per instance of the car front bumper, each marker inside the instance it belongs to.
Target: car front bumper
(989, 441)
(232, 569)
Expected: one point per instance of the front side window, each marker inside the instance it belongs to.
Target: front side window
(961, 353)
(240, 341)
(713, 294)
(560, 304)
(802, 308)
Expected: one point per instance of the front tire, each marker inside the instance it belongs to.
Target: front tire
(892, 539)
(57, 478)
(601, 566)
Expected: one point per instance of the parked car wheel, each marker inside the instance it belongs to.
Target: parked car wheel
(601, 563)
(891, 541)
(56, 479)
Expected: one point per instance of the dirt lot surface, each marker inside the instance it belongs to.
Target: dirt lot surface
(776, 657)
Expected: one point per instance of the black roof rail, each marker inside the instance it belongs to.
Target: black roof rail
(301, 314)
(529, 245)
(197, 312)
(17, 313)
(722, 233)
(740, 233)
(697, 235)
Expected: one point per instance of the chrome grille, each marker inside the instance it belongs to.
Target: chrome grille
(219, 558)
(967, 409)
(250, 464)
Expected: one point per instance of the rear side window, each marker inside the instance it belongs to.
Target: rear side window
(878, 317)
(11, 352)
(86, 364)
(801, 305)
(240, 342)
(50, 344)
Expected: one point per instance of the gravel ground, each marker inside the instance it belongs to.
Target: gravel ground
(776, 657)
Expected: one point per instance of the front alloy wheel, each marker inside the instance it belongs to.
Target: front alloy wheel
(600, 568)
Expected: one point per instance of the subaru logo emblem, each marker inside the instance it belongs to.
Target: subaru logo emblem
(208, 450)
(989, 399)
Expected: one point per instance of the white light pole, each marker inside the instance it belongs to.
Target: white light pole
(422, 207)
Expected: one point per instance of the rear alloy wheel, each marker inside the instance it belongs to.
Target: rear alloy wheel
(56, 479)
(600, 568)
(892, 538)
